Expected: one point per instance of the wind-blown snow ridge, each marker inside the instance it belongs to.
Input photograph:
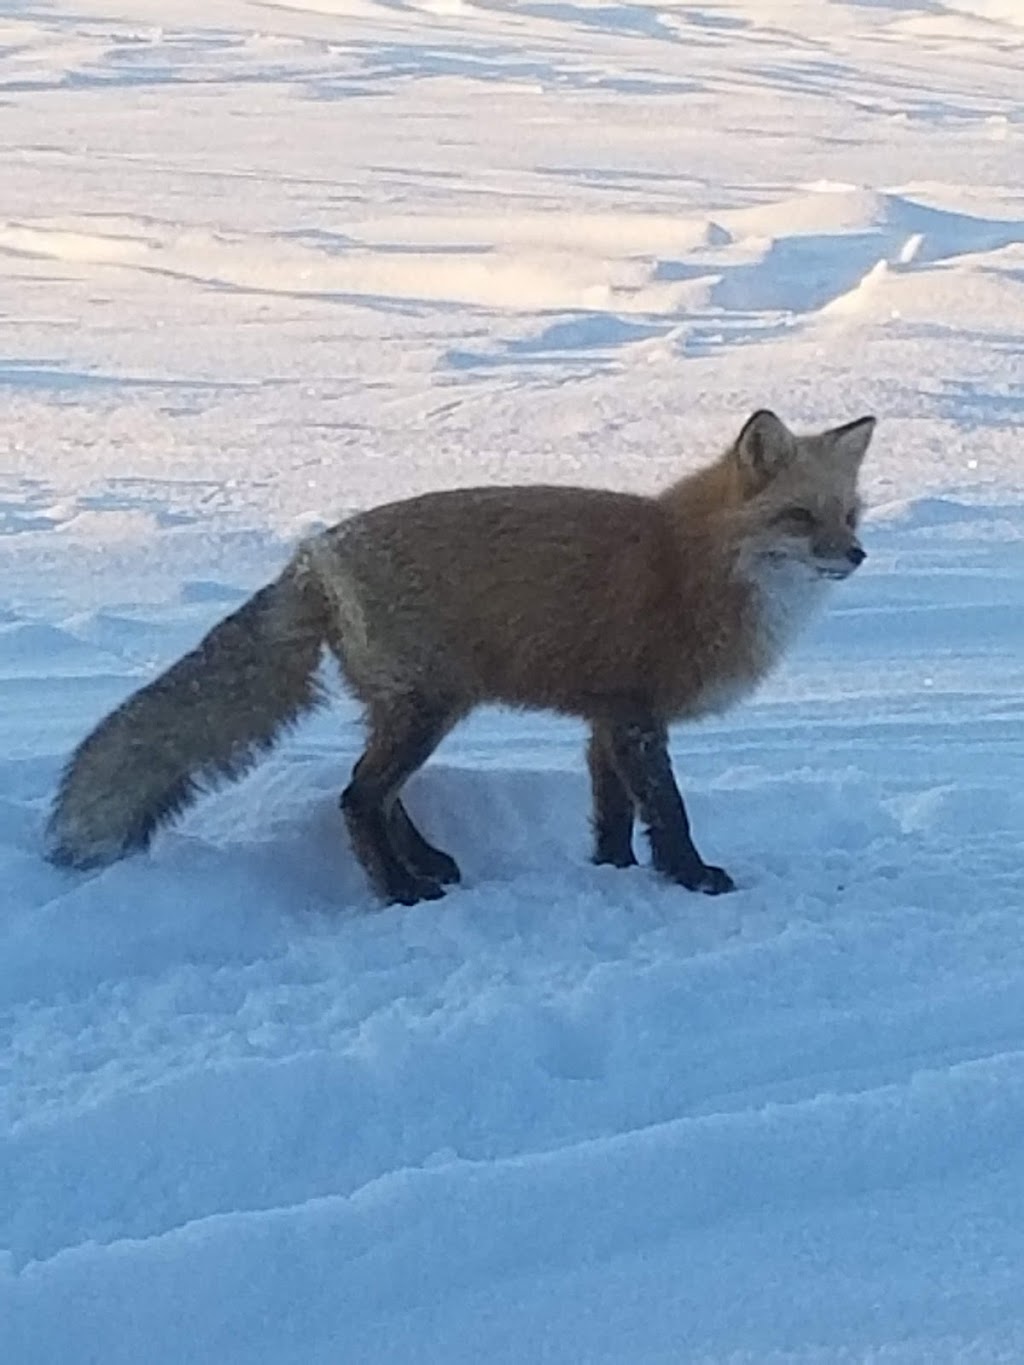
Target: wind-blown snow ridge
(792, 255)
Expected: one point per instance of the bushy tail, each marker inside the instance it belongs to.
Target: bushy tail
(207, 718)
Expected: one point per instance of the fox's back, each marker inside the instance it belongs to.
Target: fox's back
(537, 595)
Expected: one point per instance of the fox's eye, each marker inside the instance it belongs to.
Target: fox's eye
(852, 518)
(798, 518)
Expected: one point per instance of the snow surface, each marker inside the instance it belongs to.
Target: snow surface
(263, 264)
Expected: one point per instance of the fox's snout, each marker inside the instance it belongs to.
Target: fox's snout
(829, 552)
(838, 560)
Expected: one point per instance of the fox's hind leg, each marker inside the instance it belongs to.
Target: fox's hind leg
(613, 810)
(404, 731)
(639, 745)
(417, 852)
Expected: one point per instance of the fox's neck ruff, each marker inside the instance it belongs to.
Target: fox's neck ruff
(786, 595)
(779, 598)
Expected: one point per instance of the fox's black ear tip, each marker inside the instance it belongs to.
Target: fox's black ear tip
(862, 427)
(763, 420)
(850, 442)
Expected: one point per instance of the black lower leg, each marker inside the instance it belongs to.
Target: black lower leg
(404, 732)
(640, 747)
(613, 808)
(417, 852)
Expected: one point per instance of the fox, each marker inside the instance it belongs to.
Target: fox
(628, 611)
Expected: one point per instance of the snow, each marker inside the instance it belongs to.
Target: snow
(263, 265)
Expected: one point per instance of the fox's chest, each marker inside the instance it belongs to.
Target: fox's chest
(784, 597)
(722, 691)
(780, 600)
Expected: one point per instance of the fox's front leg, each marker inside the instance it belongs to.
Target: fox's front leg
(613, 809)
(639, 746)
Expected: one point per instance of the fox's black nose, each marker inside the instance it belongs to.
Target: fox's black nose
(856, 555)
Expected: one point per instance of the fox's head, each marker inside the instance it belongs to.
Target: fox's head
(800, 503)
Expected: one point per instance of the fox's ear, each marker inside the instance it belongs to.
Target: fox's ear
(850, 443)
(763, 448)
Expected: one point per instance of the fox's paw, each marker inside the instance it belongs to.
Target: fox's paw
(433, 865)
(713, 881)
(606, 856)
(409, 888)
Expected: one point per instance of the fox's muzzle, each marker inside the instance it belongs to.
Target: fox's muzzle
(842, 566)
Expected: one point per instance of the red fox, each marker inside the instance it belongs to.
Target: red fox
(628, 611)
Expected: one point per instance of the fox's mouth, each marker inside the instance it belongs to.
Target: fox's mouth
(835, 570)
